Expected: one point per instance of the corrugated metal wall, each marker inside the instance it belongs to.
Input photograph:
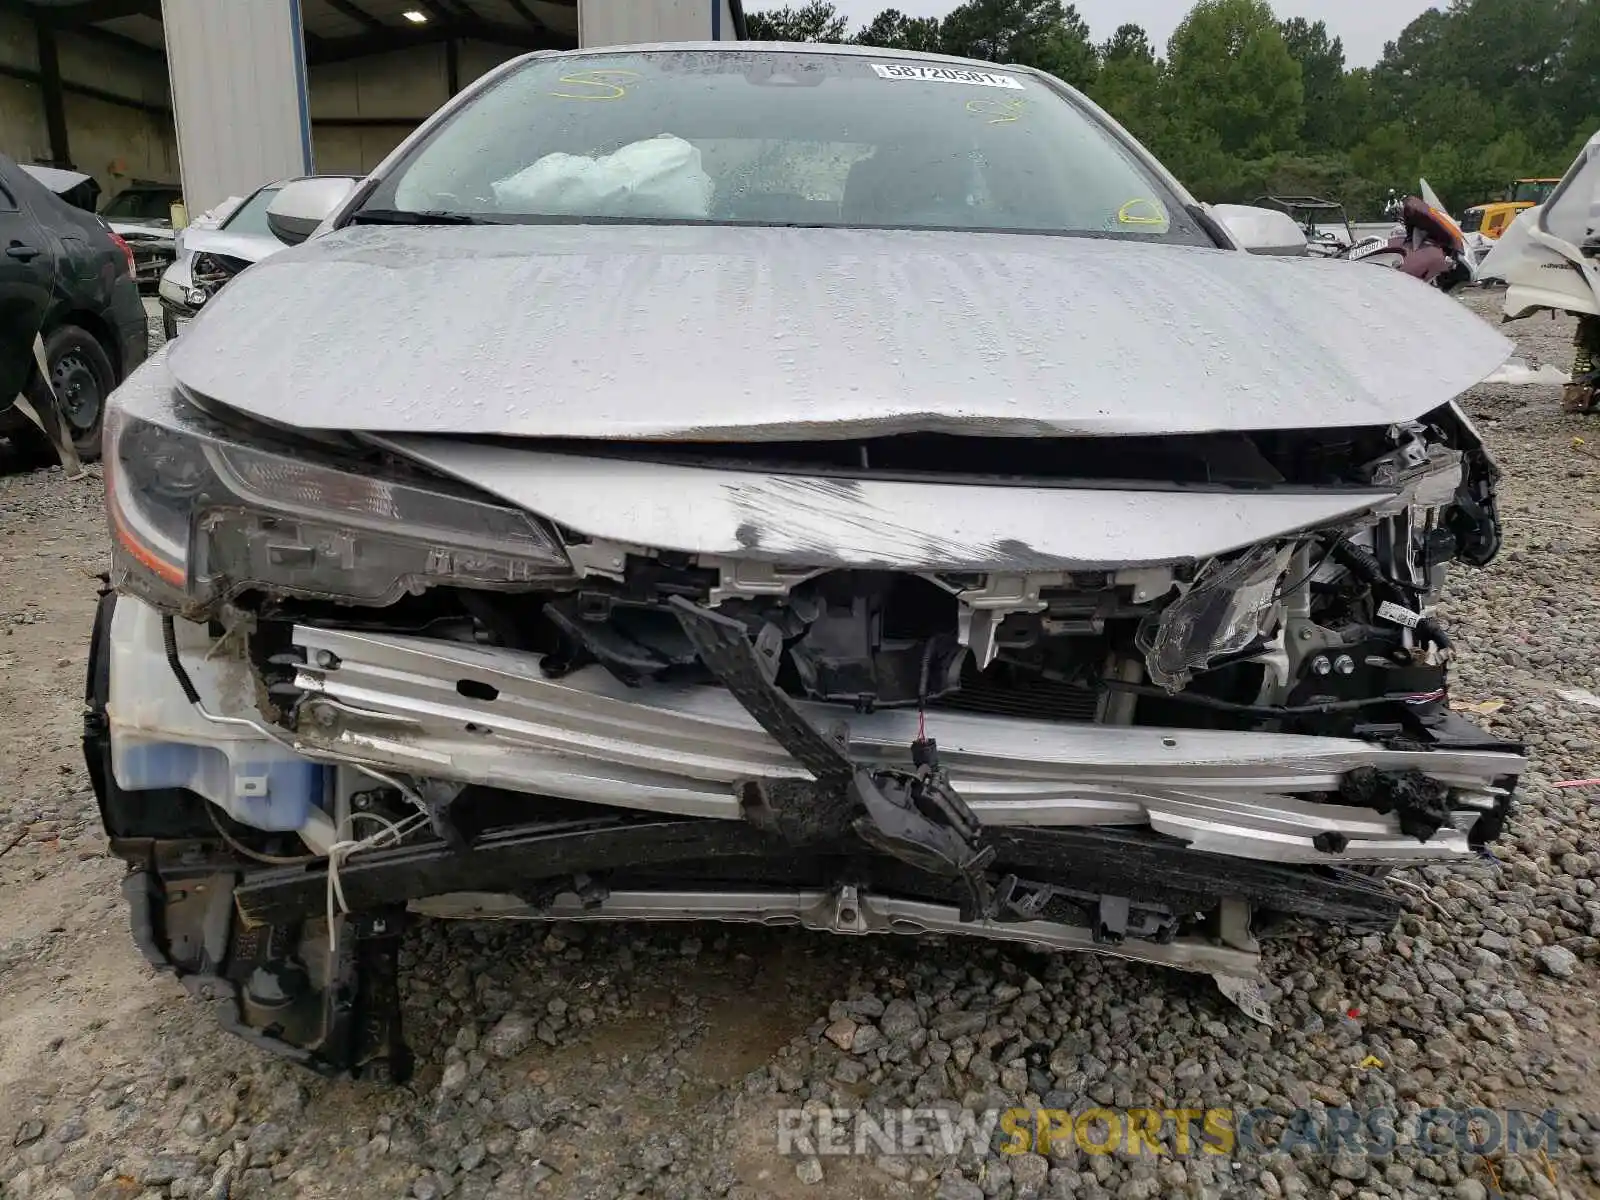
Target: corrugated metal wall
(238, 93)
(116, 143)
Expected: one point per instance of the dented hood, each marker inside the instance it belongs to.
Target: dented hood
(729, 333)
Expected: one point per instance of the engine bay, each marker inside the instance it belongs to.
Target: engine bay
(1318, 631)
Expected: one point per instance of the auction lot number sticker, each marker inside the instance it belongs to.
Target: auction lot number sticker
(947, 75)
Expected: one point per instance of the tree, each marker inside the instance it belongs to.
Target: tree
(893, 30)
(1128, 42)
(1230, 72)
(816, 21)
(1321, 60)
(1471, 94)
(1128, 85)
(1411, 62)
(1046, 34)
(1577, 81)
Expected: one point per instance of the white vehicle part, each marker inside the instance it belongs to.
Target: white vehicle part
(892, 524)
(661, 177)
(1261, 230)
(159, 740)
(473, 714)
(1541, 255)
(1572, 214)
(1538, 274)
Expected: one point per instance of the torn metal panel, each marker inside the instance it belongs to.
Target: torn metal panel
(886, 523)
(763, 334)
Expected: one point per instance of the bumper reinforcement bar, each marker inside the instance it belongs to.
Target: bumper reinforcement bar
(398, 703)
(1112, 861)
(846, 910)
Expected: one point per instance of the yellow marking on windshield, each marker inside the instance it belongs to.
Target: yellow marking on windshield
(999, 112)
(603, 79)
(1128, 214)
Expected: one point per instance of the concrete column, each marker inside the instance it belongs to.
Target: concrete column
(238, 73)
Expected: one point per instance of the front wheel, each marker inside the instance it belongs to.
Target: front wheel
(1453, 277)
(83, 378)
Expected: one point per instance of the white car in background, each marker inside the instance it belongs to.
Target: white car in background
(211, 252)
(141, 215)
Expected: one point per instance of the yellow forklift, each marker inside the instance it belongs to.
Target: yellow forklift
(1493, 218)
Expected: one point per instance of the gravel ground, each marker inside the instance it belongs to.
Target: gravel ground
(598, 1062)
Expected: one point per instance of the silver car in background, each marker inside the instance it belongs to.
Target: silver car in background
(787, 484)
(209, 255)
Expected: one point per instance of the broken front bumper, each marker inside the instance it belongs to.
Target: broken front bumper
(1154, 845)
(455, 712)
(490, 716)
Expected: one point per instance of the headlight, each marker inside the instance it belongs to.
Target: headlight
(208, 272)
(1230, 605)
(199, 516)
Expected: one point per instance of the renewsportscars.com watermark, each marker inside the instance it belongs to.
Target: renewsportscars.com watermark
(1164, 1132)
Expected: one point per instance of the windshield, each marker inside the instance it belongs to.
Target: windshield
(1533, 191)
(251, 216)
(776, 138)
(141, 204)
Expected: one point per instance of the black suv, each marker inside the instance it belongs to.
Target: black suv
(65, 275)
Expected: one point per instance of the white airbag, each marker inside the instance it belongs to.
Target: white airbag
(659, 177)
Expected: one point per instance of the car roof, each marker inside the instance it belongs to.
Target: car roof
(827, 49)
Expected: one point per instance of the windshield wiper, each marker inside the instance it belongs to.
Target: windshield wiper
(396, 216)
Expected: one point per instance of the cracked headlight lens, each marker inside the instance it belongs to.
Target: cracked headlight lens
(1230, 606)
(199, 515)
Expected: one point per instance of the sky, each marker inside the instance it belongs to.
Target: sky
(1364, 25)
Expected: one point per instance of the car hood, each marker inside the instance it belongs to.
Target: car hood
(153, 230)
(57, 180)
(251, 247)
(738, 333)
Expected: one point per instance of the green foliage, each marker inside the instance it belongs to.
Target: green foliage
(1321, 60)
(816, 21)
(1472, 95)
(893, 30)
(1129, 84)
(1229, 71)
(1046, 34)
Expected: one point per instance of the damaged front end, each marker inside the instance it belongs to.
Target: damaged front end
(1155, 698)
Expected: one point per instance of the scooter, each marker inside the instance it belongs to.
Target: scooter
(1425, 243)
(1549, 258)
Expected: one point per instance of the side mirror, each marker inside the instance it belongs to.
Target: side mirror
(1261, 230)
(299, 207)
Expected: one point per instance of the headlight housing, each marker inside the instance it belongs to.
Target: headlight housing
(209, 272)
(1230, 606)
(198, 515)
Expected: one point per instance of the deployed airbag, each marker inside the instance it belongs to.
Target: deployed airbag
(660, 177)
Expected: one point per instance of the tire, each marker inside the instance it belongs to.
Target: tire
(83, 377)
(169, 324)
(1452, 279)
